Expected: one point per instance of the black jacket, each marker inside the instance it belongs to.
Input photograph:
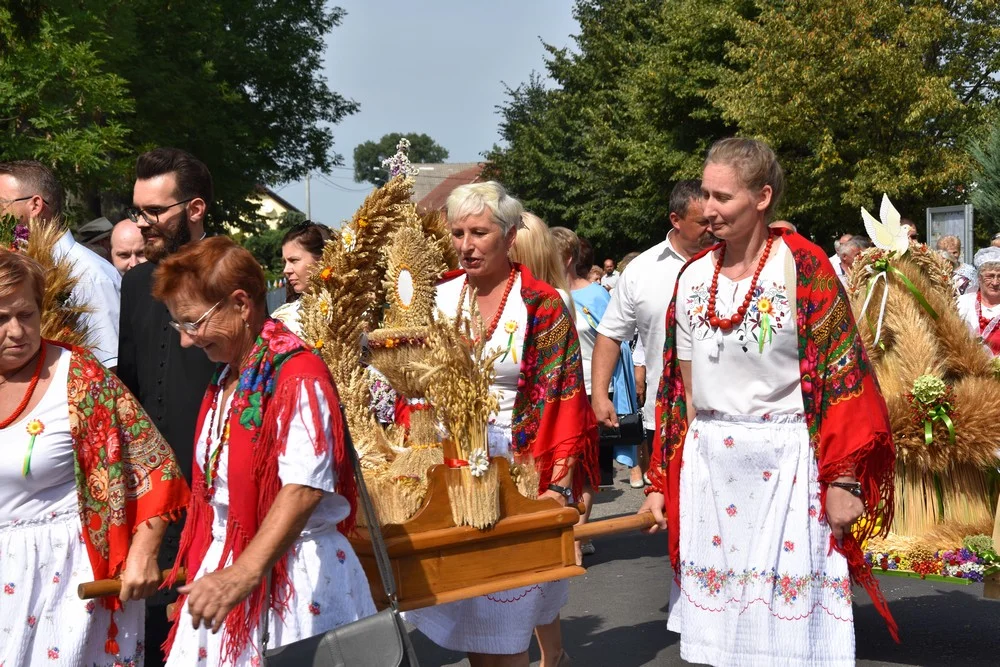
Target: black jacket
(169, 380)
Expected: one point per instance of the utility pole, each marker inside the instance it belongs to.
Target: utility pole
(308, 202)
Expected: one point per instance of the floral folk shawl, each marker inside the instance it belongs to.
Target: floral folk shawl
(837, 384)
(552, 419)
(126, 473)
(279, 370)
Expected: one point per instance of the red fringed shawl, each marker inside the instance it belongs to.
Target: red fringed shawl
(847, 417)
(126, 473)
(552, 419)
(281, 368)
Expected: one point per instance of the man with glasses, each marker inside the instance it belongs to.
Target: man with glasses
(172, 193)
(30, 191)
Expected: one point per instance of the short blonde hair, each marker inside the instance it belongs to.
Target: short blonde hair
(950, 243)
(568, 245)
(755, 164)
(474, 198)
(16, 269)
(536, 249)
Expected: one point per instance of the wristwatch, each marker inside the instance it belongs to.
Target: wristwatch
(853, 488)
(562, 490)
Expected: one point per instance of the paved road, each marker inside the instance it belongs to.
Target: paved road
(617, 612)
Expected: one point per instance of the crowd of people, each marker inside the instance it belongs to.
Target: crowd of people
(176, 441)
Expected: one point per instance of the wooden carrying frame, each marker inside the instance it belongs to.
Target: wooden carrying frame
(435, 561)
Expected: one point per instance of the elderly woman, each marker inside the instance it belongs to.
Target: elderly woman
(761, 461)
(87, 486)
(963, 275)
(301, 248)
(269, 456)
(544, 415)
(981, 308)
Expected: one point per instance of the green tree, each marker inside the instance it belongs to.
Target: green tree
(857, 97)
(59, 103)
(863, 97)
(985, 195)
(368, 156)
(239, 83)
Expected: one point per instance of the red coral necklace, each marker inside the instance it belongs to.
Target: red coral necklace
(503, 301)
(30, 391)
(728, 323)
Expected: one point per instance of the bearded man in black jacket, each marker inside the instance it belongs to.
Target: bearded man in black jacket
(172, 193)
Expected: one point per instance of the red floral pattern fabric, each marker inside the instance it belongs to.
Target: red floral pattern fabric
(837, 385)
(126, 473)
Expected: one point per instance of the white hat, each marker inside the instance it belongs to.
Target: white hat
(988, 255)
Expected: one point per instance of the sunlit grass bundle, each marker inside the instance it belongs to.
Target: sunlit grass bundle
(942, 484)
(458, 373)
(62, 319)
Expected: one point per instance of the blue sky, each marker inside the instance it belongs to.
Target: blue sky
(432, 66)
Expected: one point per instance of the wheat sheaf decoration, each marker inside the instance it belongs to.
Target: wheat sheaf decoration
(344, 300)
(939, 385)
(63, 320)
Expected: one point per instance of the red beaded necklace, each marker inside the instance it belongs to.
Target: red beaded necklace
(503, 301)
(31, 390)
(729, 322)
(213, 458)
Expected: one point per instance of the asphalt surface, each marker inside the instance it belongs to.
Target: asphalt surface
(617, 612)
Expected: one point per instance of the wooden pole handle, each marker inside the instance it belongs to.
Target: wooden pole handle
(622, 524)
(108, 587)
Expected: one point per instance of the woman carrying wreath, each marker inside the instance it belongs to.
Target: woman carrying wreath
(544, 416)
(271, 480)
(773, 438)
(87, 487)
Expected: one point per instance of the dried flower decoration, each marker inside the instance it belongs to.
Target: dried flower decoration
(399, 164)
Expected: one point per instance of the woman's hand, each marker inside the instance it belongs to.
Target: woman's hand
(212, 597)
(141, 577)
(558, 497)
(842, 509)
(655, 503)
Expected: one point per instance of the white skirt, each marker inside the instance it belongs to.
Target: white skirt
(758, 582)
(329, 590)
(42, 621)
(499, 623)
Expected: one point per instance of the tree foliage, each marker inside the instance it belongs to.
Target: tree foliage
(985, 195)
(369, 155)
(236, 82)
(857, 97)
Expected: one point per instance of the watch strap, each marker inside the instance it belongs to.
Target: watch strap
(561, 490)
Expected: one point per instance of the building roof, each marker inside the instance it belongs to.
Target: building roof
(434, 182)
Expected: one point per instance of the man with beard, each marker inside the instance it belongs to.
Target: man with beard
(640, 301)
(172, 193)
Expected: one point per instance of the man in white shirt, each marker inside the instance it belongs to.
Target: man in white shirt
(30, 191)
(610, 277)
(849, 251)
(835, 257)
(640, 301)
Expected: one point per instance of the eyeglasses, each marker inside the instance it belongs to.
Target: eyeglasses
(191, 328)
(989, 278)
(8, 202)
(134, 213)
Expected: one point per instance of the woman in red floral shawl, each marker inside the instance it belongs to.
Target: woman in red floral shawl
(544, 416)
(773, 438)
(87, 486)
(272, 486)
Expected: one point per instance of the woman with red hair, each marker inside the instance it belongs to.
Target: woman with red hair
(271, 479)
